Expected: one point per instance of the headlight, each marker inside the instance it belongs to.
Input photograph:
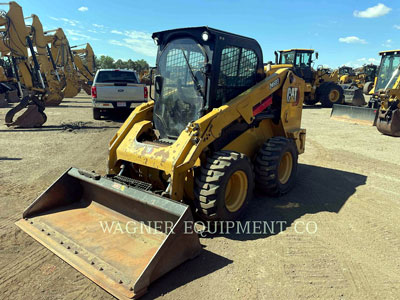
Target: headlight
(205, 36)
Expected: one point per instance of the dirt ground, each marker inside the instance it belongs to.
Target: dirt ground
(348, 192)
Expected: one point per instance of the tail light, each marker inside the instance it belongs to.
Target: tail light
(94, 92)
(146, 93)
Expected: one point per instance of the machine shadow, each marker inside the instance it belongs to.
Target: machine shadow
(317, 189)
(206, 263)
(312, 107)
(62, 127)
(10, 158)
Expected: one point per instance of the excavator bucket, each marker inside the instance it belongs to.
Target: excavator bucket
(30, 118)
(122, 237)
(354, 114)
(71, 90)
(389, 124)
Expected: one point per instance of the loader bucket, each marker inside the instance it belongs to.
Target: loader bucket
(353, 95)
(148, 235)
(354, 114)
(389, 125)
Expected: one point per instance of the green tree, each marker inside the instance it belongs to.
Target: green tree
(105, 62)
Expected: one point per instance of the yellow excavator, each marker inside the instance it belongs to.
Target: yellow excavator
(219, 126)
(54, 94)
(321, 84)
(85, 61)
(27, 71)
(64, 60)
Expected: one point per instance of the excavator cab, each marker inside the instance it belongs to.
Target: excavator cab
(199, 69)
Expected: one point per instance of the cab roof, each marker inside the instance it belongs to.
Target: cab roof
(389, 52)
(298, 49)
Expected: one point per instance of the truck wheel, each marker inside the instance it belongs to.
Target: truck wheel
(224, 186)
(276, 166)
(96, 114)
(329, 94)
(368, 87)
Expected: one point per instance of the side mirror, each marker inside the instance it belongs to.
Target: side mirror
(316, 55)
(158, 83)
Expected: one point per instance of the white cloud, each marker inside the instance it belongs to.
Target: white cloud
(83, 8)
(76, 35)
(140, 42)
(68, 21)
(98, 25)
(376, 11)
(397, 27)
(352, 40)
(361, 61)
(387, 43)
(116, 31)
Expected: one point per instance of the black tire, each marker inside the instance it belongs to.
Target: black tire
(324, 92)
(267, 165)
(368, 87)
(96, 113)
(211, 186)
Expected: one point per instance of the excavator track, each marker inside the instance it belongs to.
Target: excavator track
(34, 115)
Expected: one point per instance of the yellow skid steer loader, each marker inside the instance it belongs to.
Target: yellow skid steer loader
(219, 125)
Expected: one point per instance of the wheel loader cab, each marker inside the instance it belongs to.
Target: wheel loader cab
(301, 60)
(199, 69)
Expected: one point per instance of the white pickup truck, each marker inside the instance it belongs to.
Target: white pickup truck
(116, 90)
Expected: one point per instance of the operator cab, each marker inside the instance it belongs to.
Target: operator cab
(300, 59)
(388, 70)
(199, 69)
(346, 71)
(370, 72)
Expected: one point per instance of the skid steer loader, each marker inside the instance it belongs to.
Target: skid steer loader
(321, 85)
(218, 126)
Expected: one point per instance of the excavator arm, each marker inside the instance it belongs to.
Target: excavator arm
(27, 73)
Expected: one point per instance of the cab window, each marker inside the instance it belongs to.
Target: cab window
(303, 59)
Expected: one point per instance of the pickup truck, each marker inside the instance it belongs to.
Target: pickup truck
(116, 90)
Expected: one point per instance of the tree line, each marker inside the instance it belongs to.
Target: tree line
(107, 62)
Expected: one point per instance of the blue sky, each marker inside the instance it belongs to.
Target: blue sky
(343, 32)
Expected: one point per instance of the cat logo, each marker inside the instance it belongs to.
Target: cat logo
(292, 95)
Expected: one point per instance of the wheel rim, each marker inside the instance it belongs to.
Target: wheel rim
(334, 96)
(236, 191)
(285, 168)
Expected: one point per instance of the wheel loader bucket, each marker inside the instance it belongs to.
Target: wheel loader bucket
(121, 237)
(354, 114)
(353, 95)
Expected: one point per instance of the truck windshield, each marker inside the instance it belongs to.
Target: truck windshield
(181, 98)
(116, 76)
(389, 65)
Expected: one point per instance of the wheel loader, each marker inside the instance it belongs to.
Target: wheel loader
(218, 127)
(383, 95)
(320, 85)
